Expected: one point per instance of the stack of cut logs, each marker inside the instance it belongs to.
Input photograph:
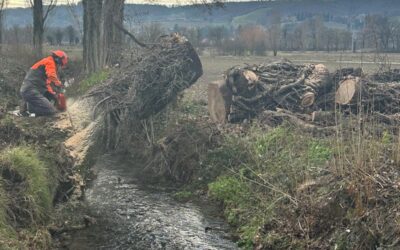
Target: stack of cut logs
(248, 91)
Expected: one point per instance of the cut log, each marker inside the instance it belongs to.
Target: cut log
(319, 79)
(219, 101)
(348, 91)
(308, 99)
(250, 76)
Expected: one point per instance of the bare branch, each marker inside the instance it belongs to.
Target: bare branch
(50, 7)
(30, 3)
(3, 5)
(130, 35)
(74, 16)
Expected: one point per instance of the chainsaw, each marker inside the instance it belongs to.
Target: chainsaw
(60, 102)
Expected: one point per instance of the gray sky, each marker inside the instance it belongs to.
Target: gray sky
(23, 3)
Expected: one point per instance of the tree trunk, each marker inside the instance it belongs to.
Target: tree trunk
(113, 12)
(102, 41)
(38, 28)
(1, 30)
(91, 34)
(3, 4)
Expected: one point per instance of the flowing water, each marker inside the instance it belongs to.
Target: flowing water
(131, 216)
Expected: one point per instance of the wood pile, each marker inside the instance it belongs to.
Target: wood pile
(304, 92)
(361, 94)
(277, 85)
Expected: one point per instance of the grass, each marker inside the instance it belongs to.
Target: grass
(7, 233)
(183, 195)
(25, 164)
(92, 80)
(262, 171)
(274, 186)
(27, 197)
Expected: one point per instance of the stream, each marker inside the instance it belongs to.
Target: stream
(131, 216)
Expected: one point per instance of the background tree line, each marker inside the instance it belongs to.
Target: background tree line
(273, 32)
(372, 33)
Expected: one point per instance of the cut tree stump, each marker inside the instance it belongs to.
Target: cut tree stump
(219, 101)
(348, 91)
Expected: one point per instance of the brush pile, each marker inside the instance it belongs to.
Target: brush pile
(283, 84)
(302, 92)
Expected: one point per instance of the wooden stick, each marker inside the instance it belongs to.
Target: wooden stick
(126, 32)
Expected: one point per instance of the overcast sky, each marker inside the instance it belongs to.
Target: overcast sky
(24, 3)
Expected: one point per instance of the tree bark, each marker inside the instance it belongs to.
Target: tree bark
(39, 18)
(102, 41)
(3, 5)
(91, 34)
(38, 28)
(113, 12)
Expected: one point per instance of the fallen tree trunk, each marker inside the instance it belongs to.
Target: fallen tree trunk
(139, 90)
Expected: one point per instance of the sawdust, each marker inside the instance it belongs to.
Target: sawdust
(79, 144)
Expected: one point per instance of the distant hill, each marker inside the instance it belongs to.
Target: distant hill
(335, 12)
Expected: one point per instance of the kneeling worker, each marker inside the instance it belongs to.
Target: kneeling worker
(37, 89)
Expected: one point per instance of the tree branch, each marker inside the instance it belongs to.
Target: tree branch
(50, 7)
(126, 32)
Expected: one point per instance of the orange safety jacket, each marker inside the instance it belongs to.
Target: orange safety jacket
(43, 74)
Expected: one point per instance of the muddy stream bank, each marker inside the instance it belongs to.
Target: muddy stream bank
(130, 215)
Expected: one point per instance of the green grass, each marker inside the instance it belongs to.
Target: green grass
(93, 79)
(7, 233)
(262, 171)
(28, 198)
(183, 195)
(25, 162)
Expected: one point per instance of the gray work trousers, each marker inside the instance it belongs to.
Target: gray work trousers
(35, 101)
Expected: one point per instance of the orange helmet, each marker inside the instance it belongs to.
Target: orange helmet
(61, 55)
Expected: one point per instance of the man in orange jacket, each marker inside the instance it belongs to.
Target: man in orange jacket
(37, 87)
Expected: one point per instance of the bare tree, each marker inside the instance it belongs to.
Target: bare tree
(59, 35)
(3, 5)
(16, 32)
(102, 40)
(50, 39)
(70, 31)
(274, 32)
(152, 31)
(39, 18)
(75, 16)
